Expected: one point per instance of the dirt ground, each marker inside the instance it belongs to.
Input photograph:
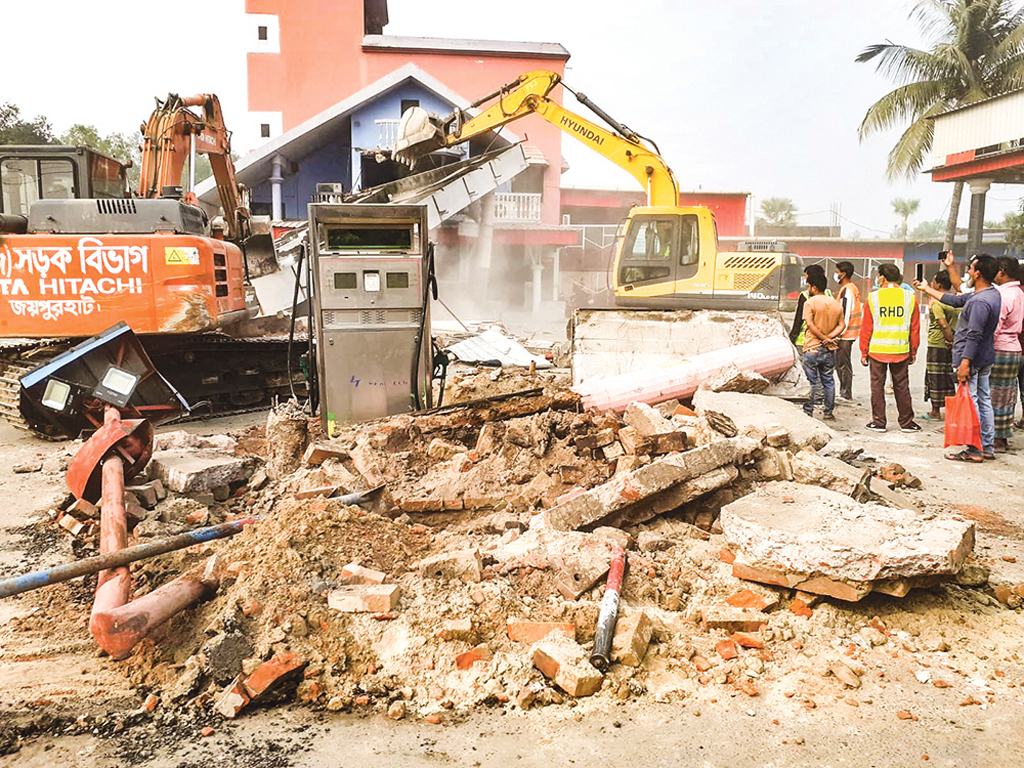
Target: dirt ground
(944, 688)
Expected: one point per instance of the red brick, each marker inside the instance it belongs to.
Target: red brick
(726, 556)
(232, 699)
(746, 640)
(668, 442)
(354, 573)
(421, 505)
(279, 667)
(800, 608)
(208, 731)
(749, 599)
(702, 664)
(727, 649)
(534, 631)
(150, 703)
(466, 660)
(453, 504)
(364, 598)
(595, 439)
(566, 664)
(682, 410)
(433, 719)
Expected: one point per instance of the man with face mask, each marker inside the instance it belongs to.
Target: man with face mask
(974, 346)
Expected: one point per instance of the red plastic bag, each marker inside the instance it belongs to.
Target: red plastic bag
(962, 425)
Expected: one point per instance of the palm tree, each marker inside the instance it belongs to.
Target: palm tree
(977, 51)
(906, 209)
(778, 211)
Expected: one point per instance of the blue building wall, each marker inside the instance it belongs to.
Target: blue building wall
(366, 133)
(339, 159)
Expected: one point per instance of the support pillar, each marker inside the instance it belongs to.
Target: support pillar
(538, 277)
(484, 245)
(275, 187)
(556, 275)
(976, 227)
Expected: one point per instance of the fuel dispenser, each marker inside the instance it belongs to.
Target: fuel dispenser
(373, 277)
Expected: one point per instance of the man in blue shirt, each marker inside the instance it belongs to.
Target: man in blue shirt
(974, 346)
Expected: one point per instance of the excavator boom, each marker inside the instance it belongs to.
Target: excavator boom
(420, 133)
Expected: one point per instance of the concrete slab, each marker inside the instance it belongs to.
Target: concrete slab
(762, 411)
(812, 536)
(200, 470)
(601, 503)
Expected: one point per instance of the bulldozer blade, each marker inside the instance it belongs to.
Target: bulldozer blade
(419, 134)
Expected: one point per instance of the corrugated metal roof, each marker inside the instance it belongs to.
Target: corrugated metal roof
(453, 45)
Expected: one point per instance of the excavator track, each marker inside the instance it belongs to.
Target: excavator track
(217, 374)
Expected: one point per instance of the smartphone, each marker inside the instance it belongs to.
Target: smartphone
(919, 270)
(941, 255)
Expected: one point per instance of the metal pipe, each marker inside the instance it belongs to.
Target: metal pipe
(601, 657)
(15, 585)
(13, 223)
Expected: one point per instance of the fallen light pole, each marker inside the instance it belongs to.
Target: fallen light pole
(15, 585)
(656, 385)
(601, 657)
(93, 385)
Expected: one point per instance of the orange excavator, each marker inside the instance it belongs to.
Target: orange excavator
(79, 253)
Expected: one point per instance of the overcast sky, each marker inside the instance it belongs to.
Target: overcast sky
(763, 97)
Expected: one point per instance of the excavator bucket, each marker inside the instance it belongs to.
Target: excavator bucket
(419, 134)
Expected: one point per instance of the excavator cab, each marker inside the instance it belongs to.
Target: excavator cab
(33, 172)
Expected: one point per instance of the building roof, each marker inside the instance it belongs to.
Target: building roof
(313, 133)
(456, 46)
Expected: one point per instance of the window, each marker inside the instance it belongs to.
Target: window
(648, 250)
(409, 104)
(25, 180)
(689, 253)
(108, 177)
(264, 130)
(261, 33)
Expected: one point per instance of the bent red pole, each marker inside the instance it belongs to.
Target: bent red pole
(601, 657)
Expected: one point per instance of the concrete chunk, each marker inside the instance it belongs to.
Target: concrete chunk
(646, 420)
(598, 505)
(766, 412)
(823, 542)
(316, 455)
(462, 565)
(632, 636)
(232, 699)
(199, 471)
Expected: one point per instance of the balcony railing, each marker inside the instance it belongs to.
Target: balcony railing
(517, 206)
(387, 133)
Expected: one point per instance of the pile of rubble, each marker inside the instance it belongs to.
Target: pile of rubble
(475, 576)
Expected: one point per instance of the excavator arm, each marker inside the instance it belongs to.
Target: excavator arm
(168, 138)
(420, 133)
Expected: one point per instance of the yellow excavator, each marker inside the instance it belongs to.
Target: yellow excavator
(666, 255)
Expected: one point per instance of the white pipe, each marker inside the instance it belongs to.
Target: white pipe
(656, 385)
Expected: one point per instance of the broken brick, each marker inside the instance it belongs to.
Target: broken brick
(466, 660)
(732, 619)
(534, 631)
(354, 573)
(633, 443)
(702, 664)
(146, 494)
(232, 699)
(746, 640)
(726, 649)
(364, 598)
(316, 455)
(800, 608)
(458, 629)
(668, 442)
(272, 672)
(566, 664)
(747, 598)
(646, 420)
(632, 636)
(595, 440)
(462, 565)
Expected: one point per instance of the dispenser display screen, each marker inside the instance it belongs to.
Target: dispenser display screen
(398, 280)
(352, 237)
(345, 281)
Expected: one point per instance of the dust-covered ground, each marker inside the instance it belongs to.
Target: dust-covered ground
(938, 673)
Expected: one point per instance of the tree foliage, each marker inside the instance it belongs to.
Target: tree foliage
(16, 130)
(778, 211)
(1014, 223)
(977, 51)
(905, 208)
(928, 230)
